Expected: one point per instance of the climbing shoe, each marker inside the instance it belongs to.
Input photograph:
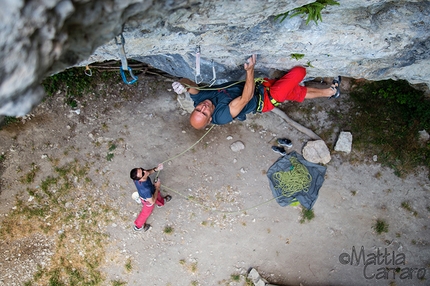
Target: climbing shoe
(285, 142)
(145, 227)
(279, 150)
(336, 87)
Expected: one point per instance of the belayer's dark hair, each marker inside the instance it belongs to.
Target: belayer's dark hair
(133, 174)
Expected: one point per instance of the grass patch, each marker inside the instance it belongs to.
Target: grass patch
(312, 10)
(8, 120)
(75, 84)
(386, 117)
(307, 215)
(109, 156)
(111, 147)
(29, 177)
(297, 56)
(66, 209)
(405, 205)
(128, 265)
(380, 226)
(248, 282)
(168, 229)
(192, 266)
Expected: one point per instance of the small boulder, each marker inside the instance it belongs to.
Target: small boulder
(237, 146)
(316, 152)
(423, 136)
(344, 142)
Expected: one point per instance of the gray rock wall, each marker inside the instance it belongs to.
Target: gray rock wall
(361, 39)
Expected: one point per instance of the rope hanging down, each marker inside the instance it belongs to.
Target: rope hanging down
(124, 65)
(183, 152)
(195, 201)
(293, 181)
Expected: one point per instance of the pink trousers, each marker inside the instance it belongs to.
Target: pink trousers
(147, 210)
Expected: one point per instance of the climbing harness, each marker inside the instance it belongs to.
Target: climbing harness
(272, 100)
(124, 66)
(295, 180)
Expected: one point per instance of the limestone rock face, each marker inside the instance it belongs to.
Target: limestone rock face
(371, 39)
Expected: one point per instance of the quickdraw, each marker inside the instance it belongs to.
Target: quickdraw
(198, 77)
(124, 65)
(88, 71)
(213, 80)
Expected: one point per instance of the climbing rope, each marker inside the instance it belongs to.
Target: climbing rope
(298, 177)
(183, 152)
(293, 181)
(190, 198)
(257, 80)
(195, 201)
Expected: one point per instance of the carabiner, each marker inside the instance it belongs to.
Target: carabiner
(134, 78)
(213, 80)
(88, 71)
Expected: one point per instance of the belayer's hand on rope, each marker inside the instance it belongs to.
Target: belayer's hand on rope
(157, 183)
(158, 169)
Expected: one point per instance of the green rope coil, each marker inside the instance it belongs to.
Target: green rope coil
(293, 181)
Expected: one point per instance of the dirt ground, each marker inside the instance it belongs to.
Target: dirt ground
(222, 220)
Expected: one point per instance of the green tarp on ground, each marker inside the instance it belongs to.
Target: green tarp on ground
(306, 197)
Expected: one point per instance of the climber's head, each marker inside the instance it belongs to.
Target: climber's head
(202, 114)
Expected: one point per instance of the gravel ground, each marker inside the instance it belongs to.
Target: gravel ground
(221, 221)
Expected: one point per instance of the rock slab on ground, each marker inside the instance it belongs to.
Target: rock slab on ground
(316, 152)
